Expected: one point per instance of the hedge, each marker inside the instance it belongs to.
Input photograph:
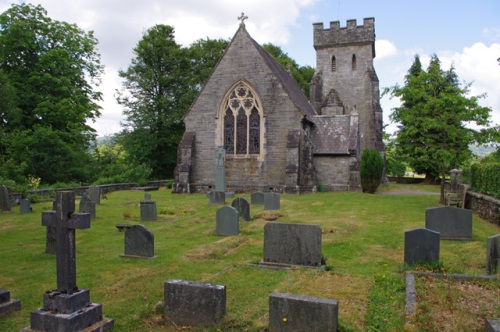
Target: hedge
(485, 178)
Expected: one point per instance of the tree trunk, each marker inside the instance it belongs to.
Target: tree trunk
(429, 179)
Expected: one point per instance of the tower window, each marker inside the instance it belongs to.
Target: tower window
(354, 65)
(334, 63)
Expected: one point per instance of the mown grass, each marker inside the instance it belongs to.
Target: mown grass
(363, 242)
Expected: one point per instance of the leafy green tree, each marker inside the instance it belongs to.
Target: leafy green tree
(371, 169)
(433, 135)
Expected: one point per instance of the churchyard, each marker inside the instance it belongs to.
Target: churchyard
(362, 244)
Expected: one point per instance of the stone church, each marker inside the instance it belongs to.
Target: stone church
(275, 139)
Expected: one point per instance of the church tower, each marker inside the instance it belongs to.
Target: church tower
(345, 82)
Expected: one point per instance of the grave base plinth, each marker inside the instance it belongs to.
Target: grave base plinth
(65, 303)
(7, 304)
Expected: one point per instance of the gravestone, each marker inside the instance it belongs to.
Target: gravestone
(271, 201)
(257, 198)
(190, 303)
(48, 220)
(87, 206)
(68, 308)
(4, 199)
(227, 221)
(25, 206)
(292, 244)
(7, 304)
(421, 245)
(148, 211)
(451, 222)
(493, 254)
(139, 242)
(491, 325)
(147, 197)
(289, 312)
(95, 194)
(243, 208)
(217, 197)
(220, 172)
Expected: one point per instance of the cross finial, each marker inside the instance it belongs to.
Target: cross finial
(242, 18)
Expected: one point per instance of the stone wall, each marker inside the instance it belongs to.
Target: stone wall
(485, 206)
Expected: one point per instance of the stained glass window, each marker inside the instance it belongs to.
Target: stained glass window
(229, 132)
(241, 132)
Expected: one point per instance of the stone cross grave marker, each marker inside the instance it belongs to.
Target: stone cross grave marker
(4, 199)
(243, 208)
(220, 172)
(451, 223)
(493, 254)
(421, 245)
(227, 221)
(139, 242)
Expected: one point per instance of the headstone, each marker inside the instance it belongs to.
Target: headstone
(243, 208)
(292, 244)
(491, 325)
(227, 221)
(190, 303)
(4, 199)
(220, 172)
(95, 194)
(289, 312)
(257, 198)
(7, 304)
(229, 194)
(451, 222)
(68, 308)
(48, 220)
(147, 197)
(271, 201)
(493, 254)
(87, 206)
(217, 197)
(25, 206)
(421, 245)
(148, 211)
(139, 242)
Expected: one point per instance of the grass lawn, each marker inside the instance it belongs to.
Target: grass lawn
(363, 242)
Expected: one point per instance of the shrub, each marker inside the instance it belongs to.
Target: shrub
(485, 178)
(370, 171)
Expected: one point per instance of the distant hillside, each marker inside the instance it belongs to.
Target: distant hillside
(482, 150)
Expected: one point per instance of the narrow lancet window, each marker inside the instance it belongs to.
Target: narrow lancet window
(354, 65)
(334, 63)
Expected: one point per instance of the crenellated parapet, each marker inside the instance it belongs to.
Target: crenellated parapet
(352, 34)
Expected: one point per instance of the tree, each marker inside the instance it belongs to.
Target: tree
(371, 169)
(54, 66)
(434, 120)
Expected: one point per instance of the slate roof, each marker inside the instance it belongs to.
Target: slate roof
(335, 134)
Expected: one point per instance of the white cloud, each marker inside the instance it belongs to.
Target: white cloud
(385, 49)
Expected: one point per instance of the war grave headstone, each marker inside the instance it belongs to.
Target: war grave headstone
(190, 303)
(226, 221)
(139, 242)
(491, 325)
(4, 199)
(87, 206)
(271, 201)
(8, 304)
(148, 211)
(48, 220)
(243, 208)
(68, 308)
(95, 194)
(217, 197)
(287, 244)
(451, 222)
(257, 198)
(421, 245)
(25, 206)
(288, 312)
(493, 254)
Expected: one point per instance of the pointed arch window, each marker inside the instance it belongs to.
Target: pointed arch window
(242, 122)
(334, 63)
(354, 65)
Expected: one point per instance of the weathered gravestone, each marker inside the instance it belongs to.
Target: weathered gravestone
(493, 254)
(271, 201)
(48, 220)
(25, 206)
(191, 303)
(4, 199)
(147, 197)
(421, 245)
(148, 211)
(95, 194)
(87, 206)
(289, 312)
(139, 242)
(491, 325)
(451, 222)
(243, 208)
(292, 244)
(7, 304)
(217, 197)
(257, 198)
(226, 221)
(68, 308)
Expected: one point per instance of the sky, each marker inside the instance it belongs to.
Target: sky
(463, 34)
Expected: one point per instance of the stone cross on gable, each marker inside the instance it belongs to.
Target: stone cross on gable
(242, 18)
(66, 221)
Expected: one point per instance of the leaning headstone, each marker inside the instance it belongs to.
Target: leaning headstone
(95, 194)
(217, 197)
(243, 208)
(227, 221)
(148, 211)
(491, 325)
(48, 220)
(190, 303)
(493, 254)
(139, 242)
(68, 308)
(4, 199)
(25, 206)
(292, 244)
(7, 304)
(451, 222)
(289, 312)
(87, 206)
(257, 198)
(421, 245)
(271, 201)
(220, 171)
